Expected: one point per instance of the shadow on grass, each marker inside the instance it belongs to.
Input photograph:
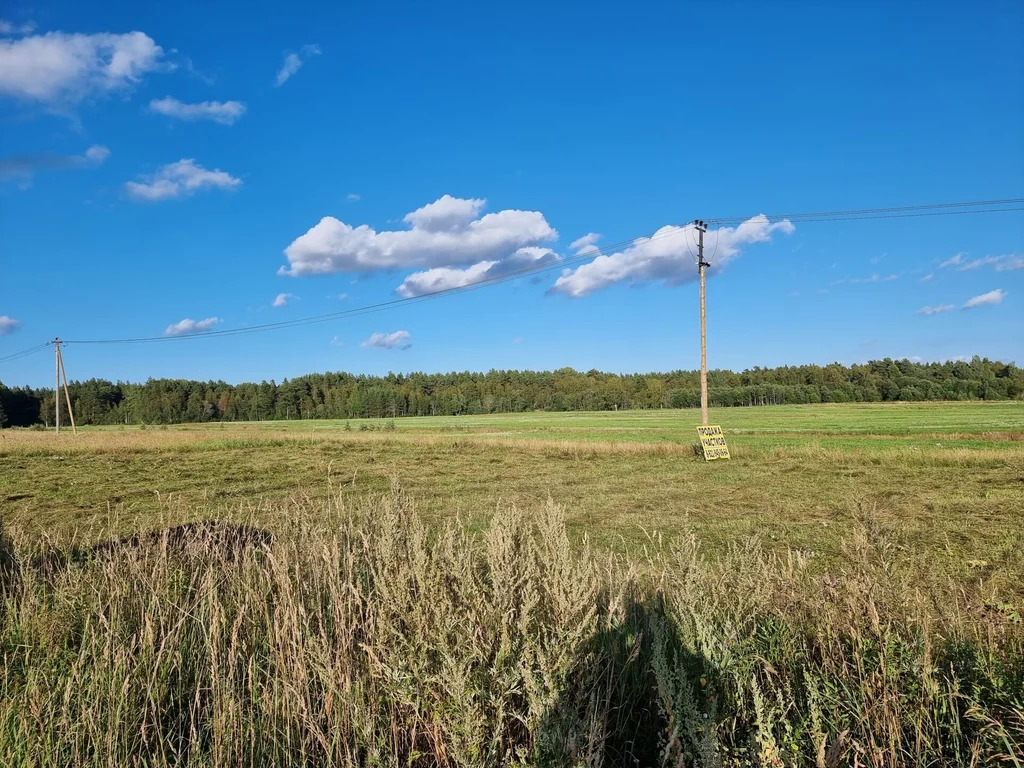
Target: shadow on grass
(637, 697)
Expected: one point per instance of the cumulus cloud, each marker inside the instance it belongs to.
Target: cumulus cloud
(664, 256)
(992, 297)
(189, 326)
(449, 233)
(283, 299)
(447, 278)
(935, 310)
(446, 214)
(586, 244)
(1010, 263)
(179, 180)
(442, 279)
(399, 339)
(25, 166)
(582, 242)
(223, 112)
(293, 63)
(59, 68)
(8, 325)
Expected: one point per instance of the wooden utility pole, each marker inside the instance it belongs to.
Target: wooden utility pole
(67, 395)
(702, 269)
(58, 372)
(56, 382)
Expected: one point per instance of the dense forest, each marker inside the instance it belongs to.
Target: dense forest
(345, 396)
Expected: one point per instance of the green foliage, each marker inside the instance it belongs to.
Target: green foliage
(345, 396)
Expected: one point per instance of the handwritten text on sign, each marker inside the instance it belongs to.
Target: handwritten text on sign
(712, 439)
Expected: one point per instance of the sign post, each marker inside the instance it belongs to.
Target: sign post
(712, 440)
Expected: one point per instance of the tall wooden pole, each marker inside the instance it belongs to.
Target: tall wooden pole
(702, 268)
(67, 395)
(56, 382)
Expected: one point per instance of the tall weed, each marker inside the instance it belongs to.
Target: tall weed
(378, 640)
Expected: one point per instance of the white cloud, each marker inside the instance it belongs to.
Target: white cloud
(953, 261)
(223, 112)
(189, 326)
(8, 325)
(978, 263)
(665, 256)
(283, 299)
(59, 68)
(398, 339)
(293, 63)
(97, 153)
(935, 310)
(992, 297)
(927, 277)
(442, 279)
(447, 278)
(342, 296)
(920, 359)
(448, 233)
(873, 278)
(353, 197)
(337, 342)
(582, 242)
(586, 244)
(446, 214)
(25, 166)
(1008, 261)
(10, 28)
(178, 180)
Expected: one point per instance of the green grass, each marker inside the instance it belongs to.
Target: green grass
(920, 420)
(946, 480)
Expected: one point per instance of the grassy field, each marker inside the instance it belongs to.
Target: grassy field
(570, 589)
(945, 480)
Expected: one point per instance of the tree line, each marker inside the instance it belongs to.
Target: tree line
(349, 396)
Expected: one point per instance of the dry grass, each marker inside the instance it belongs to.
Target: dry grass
(364, 636)
(946, 505)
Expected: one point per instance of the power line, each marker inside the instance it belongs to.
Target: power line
(24, 353)
(935, 209)
(909, 215)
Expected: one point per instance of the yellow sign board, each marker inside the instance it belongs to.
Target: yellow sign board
(712, 440)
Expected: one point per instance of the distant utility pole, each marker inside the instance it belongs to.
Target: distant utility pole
(56, 388)
(702, 269)
(56, 380)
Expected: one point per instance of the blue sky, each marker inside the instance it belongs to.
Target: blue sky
(162, 166)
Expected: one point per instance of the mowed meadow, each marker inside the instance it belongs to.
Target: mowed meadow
(528, 589)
